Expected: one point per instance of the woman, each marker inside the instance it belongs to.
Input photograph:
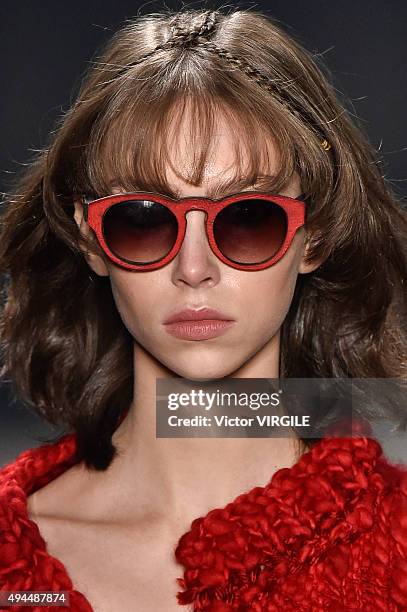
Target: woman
(209, 105)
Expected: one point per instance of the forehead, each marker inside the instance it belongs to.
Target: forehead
(224, 168)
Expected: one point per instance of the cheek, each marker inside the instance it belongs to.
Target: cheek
(269, 300)
(265, 297)
(135, 297)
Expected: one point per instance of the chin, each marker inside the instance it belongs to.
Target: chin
(201, 370)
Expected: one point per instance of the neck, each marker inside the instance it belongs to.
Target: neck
(186, 477)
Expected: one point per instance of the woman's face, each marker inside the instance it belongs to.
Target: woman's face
(256, 301)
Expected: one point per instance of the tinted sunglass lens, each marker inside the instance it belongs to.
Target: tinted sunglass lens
(250, 231)
(140, 231)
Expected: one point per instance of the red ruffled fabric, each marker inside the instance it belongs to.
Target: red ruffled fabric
(328, 534)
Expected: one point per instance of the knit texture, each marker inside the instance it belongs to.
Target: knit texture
(327, 534)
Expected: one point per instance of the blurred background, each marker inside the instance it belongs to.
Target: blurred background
(46, 47)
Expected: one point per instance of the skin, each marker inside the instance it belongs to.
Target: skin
(154, 488)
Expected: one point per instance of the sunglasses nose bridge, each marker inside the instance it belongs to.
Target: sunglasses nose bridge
(196, 232)
(197, 205)
(192, 204)
(191, 213)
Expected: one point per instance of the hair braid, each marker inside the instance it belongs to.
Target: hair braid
(265, 82)
(251, 71)
(181, 34)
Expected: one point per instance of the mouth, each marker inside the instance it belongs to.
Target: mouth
(203, 324)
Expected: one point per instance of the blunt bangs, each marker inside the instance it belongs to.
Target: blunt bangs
(132, 145)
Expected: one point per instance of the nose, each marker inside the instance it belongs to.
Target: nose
(195, 263)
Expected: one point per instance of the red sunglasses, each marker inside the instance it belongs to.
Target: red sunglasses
(144, 231)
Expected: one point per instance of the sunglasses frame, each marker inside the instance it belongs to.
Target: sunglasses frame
(94, 211)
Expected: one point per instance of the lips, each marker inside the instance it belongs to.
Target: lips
(203, 314)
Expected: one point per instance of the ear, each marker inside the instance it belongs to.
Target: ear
(96, 262)
(307, 267)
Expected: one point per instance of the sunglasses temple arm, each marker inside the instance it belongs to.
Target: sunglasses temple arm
(85, 203)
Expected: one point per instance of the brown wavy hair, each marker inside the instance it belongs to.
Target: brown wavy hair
(63, 343)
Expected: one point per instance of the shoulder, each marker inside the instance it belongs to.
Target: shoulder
(24, 558)
(365, 479)
(391, 480)
(376, 514)
(392, 516)
(15, 537)
(384, 542)
(37, 466)
(330, 531)
(20, 539)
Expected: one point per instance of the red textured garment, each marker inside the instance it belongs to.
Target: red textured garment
(328, 534)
